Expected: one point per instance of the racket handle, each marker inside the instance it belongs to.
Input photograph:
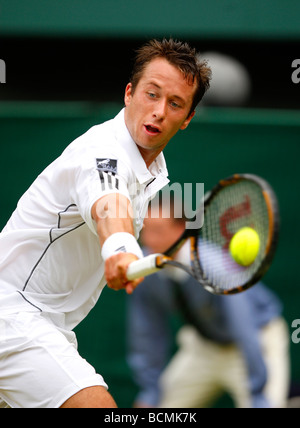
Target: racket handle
(143, 267)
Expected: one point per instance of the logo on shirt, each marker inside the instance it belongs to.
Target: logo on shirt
(107, 169)
(107, 165)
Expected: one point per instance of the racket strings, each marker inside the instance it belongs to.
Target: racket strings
(236, 206)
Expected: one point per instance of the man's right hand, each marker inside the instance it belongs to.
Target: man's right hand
(115, 272)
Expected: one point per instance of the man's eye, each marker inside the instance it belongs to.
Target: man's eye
(151, 95)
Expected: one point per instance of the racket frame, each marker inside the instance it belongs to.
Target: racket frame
(155, 262)
(273, 234)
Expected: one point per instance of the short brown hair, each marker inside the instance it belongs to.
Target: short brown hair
(179, 54)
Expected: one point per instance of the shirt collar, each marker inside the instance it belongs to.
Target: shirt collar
(143, 174)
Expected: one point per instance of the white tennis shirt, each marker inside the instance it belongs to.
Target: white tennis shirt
(50, 255)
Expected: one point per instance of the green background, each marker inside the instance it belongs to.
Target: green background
(218, 142)
(255, 19)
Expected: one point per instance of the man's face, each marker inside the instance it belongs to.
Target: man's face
(159, 107)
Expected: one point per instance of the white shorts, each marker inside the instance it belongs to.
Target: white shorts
(40, 366)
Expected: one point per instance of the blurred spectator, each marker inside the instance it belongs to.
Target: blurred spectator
(237, 344)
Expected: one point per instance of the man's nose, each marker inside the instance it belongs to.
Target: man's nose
(160, 110)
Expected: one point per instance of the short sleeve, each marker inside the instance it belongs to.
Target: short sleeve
(95, 177)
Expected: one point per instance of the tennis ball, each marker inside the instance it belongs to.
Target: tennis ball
(244, 246)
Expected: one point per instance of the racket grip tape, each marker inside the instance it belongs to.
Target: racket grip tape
(143, 267)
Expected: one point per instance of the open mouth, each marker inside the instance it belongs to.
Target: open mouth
(153, 130)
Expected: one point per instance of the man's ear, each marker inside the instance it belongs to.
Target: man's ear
(128, 94)
(187, 121)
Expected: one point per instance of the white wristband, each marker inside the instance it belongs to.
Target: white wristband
(120, 242)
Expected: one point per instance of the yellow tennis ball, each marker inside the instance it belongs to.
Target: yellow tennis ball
(244, 246)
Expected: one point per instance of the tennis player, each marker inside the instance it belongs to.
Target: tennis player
(76, 229)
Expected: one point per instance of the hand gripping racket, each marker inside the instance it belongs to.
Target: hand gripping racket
(242, 200)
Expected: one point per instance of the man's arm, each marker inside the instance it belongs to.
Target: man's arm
(113, 214)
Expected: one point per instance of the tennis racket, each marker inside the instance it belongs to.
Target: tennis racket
(241, 200)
